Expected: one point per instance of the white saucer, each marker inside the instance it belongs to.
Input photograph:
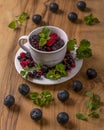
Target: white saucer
(45, 81)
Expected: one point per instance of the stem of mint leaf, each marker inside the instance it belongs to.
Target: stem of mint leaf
(92, 105)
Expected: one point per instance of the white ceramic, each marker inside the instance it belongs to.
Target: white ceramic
(45, 81)
(41, 57)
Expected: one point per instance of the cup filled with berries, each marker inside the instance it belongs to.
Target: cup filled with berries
(47, 45)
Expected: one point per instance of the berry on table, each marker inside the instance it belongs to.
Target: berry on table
(9, 101)
(62, 118)
(63, 95)
(24, 89)
(53, 7)
(91, 73)
(77, 85)
(72, 17)
(81, 5)
(36, 114)
(37, 18)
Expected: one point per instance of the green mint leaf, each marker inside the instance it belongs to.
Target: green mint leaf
(95, 115)
(42, 41)
(96, 20)
(42, 98)
(37, 67)
(12, 25)
(23, 17)
(57, 73)
(33, 95)
(89, 94)
(18, 20)
(44, 36)
(22, 73)
(90, 19)
(84, 51)
(71, 44)
(84, 43)
(81, 116)
(84, 54)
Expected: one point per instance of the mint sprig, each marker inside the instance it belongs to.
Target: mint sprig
(18, 21)
(44, 36)
(90, 19)
(41, 99)
(57, 73)
(83, 50)
(92, 105)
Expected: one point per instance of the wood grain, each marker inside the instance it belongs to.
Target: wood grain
(18, 118)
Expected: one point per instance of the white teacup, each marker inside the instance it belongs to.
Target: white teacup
(42, 57)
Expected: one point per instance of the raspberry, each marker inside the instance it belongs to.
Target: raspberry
(52, 40)
(22, 55)
(28, 61)
(40, 72)
(23, 63)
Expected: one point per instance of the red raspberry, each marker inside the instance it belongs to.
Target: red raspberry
(28, 61)
(72, 64)
(22, 55)
(52, 40)
(23, 63)
(40, 72)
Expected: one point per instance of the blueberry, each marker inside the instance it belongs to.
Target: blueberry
(28, 56)
(37, 18)
(67, 67)
(72, 17)
(36, 114)
(91, 73)
(63, 95)
(53, 7)
(9, 101)
(45, 68)
(77, 85)
(62, 118)
(30, 74)
(81, 5)
(24, 89)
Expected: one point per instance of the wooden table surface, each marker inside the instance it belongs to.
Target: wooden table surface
(18, 117)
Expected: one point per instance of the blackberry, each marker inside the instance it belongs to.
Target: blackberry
(45, 68)
(9, 101)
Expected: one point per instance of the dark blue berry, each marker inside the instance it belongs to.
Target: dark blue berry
(63, 95)
(72, 17)
(45, 68)
(91, 73)
(28, 56)
(24, 89)
(37, 18)
(30, 74)
(77, 85)
(36, 114)
(9, 101)
(81, 5)
(62, 118)
(53, 7)
(67, 67)
(31, 64)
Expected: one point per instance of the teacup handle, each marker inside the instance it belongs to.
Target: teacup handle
(20, 41)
